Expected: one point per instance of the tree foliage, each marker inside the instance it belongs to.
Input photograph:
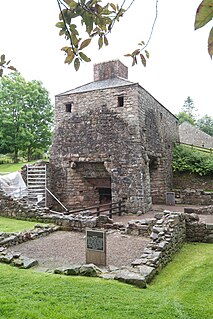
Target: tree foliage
(4, 64)
(25, 117)
(98, 18)
(205, 124)
(184, 117)
(188, 112)
(189, 160)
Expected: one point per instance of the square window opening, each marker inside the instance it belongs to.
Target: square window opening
(121, 101)
(68, 107)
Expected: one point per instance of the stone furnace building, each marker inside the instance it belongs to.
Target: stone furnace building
(113, 141)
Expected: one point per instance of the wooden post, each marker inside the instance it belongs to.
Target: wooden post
(119, 208)
(110, 210)
(98, 210)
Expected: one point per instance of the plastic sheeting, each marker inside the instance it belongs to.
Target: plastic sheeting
(13, 184)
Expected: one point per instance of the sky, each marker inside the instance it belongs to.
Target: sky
(179, 64)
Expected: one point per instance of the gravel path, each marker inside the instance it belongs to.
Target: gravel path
(64, 248)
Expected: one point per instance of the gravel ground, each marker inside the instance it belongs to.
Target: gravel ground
(64, 248)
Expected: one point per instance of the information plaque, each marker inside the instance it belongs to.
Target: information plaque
(96, 240)
(96, 247)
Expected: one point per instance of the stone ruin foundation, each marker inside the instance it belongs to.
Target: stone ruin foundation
(167, 233)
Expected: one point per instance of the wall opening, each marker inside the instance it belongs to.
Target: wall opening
(68, 107)
(121, 101)
(105, 195)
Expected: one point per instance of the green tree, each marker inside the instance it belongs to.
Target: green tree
(205, 124)
(189, 108)
(184, 117)
(188, 112)
(26, 116)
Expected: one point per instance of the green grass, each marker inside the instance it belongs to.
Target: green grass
(9, 225)
(5, 168)
(183, 290)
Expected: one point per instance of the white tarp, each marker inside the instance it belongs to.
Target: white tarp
(13, 184)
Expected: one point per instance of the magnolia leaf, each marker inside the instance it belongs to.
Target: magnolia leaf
(85, 43)
(76, 64)
(106, 41)
(113, 6)
(65, 49)
(69, 57)
(134, 61)
(12, 68)
(210, 43)
(84, 57)
(100, 42)
(61, 32)
(143, 60)
(72, 4)
(3, 58)
(60, 25)
(147, 54)
(136, 52)
(204, 13)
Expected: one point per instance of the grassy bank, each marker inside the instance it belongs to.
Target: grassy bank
(183, 290)
(9, 167)
(9, 225)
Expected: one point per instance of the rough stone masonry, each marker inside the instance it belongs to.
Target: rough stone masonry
(112, 141)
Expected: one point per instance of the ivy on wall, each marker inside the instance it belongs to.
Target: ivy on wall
(190, 160)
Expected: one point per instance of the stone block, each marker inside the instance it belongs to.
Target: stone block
(131, 278)
(28, 263)
(89, 270)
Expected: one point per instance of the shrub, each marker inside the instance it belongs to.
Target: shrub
(190, 160)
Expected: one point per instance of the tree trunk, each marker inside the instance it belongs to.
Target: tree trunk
(15, 158)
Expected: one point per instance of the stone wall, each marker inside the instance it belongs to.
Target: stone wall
(19, 209)
(190, 134)
(183, 181)
(193, 197)
(100, 134)
(117, 124)
(110, 69)
(15, 238)
(159, 132)
(197, 231)
(167, 237)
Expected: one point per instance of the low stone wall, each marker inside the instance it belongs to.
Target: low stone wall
(167, 237)
(15, 238)
(198, 231)
(193, 197)
(183, 180)
(19, 209)
(205, 210)
(142, 227)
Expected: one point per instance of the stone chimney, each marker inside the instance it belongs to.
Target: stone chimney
(109, 70)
